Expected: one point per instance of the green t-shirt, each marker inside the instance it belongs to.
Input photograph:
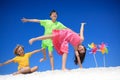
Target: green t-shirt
(49, 26)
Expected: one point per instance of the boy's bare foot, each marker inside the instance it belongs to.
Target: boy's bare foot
(42, 59)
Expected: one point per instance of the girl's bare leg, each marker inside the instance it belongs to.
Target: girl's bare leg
(40, 38)
(23, 71)
(33, 69)
(26, 70)
(45, 37)
(64, 57)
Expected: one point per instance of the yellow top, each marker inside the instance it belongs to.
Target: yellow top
(23, 61)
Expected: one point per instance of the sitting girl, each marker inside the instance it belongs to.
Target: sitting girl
(22, 60)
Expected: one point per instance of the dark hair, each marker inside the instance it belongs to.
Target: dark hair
(16, 48)
(53, 11)
(81, 56)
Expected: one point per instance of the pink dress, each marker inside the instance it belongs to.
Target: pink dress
(61, 38)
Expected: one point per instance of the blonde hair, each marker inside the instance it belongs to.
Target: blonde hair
(16, 48)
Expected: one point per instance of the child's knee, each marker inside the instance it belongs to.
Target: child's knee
(36, 67)
(25, 70)
(28, 68)
(50, 55)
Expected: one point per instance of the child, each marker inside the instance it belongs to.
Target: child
(49, 25)
(22, 60)
(61, 38)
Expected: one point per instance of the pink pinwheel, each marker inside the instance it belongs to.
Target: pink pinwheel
(103, 48)
(93, 49)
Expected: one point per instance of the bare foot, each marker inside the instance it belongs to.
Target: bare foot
(65, 69)
(43, 59)
(52, 69)
(15, 73)
(31, 41)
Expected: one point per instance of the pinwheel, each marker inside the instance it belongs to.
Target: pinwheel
(103, 49)
(93, 49)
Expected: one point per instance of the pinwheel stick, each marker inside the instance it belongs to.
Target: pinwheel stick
(95, 60)
(104, 59)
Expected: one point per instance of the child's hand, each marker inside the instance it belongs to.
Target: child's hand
(1, 64)
(31, 41)
(83, 23)
(24, 19)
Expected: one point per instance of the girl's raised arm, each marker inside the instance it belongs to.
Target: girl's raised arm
(82, 31)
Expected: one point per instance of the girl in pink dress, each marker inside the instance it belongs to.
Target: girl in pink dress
(61, 38)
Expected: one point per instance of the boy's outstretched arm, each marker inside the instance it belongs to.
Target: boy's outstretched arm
(82, 31)
(7, 62)
(30, 20)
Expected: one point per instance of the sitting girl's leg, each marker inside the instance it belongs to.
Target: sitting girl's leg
(33, 69)
(23, 71)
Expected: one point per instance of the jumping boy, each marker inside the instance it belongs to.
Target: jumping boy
(49, 25)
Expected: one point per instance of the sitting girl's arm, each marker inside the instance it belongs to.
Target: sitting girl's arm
(35, 51)
(7, 62)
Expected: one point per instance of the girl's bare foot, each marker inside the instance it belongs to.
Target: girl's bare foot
(65, 69)
(16, 73)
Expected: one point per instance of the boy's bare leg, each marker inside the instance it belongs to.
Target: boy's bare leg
(44, 55)
(51, 60)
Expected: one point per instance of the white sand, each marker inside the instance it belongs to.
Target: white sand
(108, 73)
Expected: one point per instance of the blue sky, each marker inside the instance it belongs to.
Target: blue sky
(102, 18)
